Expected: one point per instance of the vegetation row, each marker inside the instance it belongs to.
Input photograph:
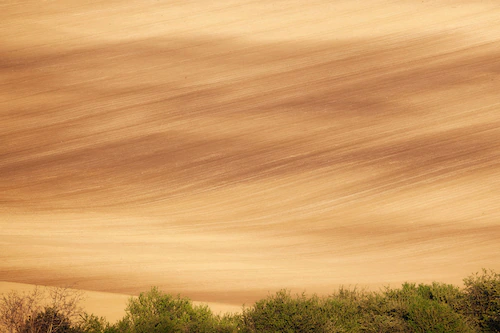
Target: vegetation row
(421, 308)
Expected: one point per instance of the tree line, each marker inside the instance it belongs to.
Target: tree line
(422, 308)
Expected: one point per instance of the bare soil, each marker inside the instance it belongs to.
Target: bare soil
(230, 149)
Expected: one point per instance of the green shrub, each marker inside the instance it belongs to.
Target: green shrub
(412, 308)
(284, 313)
(345, 310)
(155, 311)
(425, 315)
(422, 308)
(93, 324)
(384, 314)
(442, 293)
(228, 323)
(482, 300)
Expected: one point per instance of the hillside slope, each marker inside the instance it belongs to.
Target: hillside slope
(226, 150)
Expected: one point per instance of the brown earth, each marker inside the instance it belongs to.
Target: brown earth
(226, 150)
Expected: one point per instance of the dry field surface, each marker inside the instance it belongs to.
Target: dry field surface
(226, 149)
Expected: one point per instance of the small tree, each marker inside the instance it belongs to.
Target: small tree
(90, 323)
(48, 321)
(27, 312)
(283, 312)
(482, 299)
(155, 311)
(17, 308)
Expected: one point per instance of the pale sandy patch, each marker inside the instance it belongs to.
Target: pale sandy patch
(225, 150)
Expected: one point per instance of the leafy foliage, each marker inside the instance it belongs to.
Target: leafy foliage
(284, 313)
(412, 308)
(482, 299)
(155, 311)
(90, 323)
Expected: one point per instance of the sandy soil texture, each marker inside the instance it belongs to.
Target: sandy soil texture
(224, 150)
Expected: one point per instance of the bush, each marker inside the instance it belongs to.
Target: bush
(423, 308)
(384, 314)
(428, 308)
(482, 300)
(426, 315)
(284, 313)
(50, 320)
(93, 324)
(412, 308)
(345, 309)
(442, 293)
(155, 311)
